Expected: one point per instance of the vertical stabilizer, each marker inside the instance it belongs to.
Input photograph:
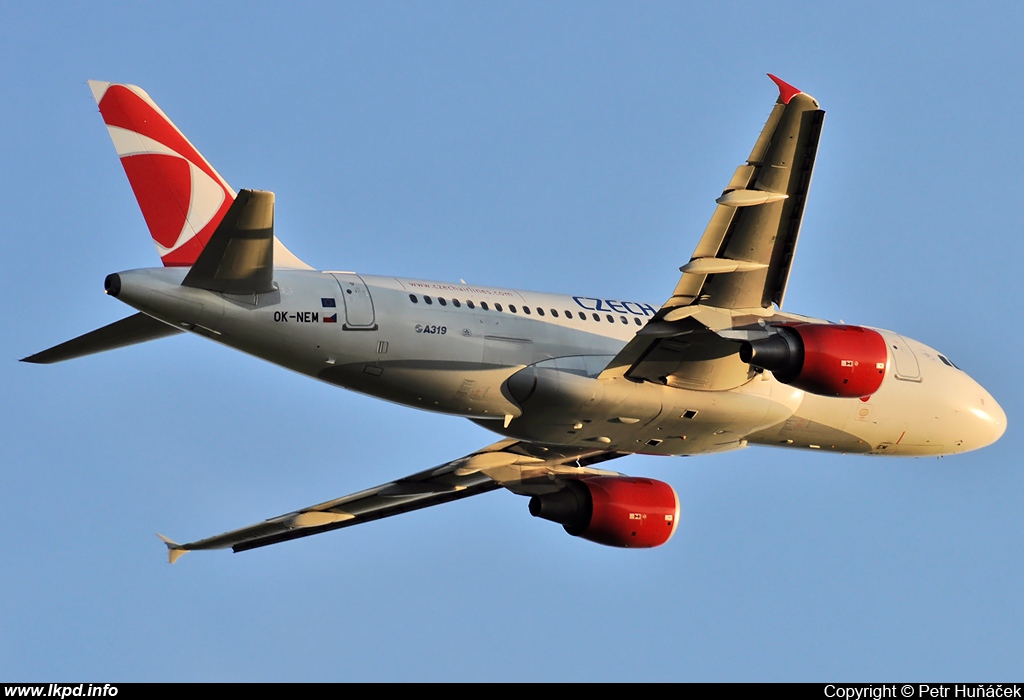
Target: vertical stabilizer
(182, 197)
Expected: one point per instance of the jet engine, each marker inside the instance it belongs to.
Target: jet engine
(617, 511)
(824, 359)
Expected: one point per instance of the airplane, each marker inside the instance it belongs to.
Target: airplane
(570, 383)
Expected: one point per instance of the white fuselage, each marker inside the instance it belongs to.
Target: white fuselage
(526, 365)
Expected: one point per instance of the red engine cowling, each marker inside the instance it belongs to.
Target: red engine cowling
(824, 359)
(618, 511)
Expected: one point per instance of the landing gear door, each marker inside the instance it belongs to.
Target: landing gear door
(904, 359)
(359, 315)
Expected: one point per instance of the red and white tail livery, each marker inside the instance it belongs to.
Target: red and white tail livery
(182, 197)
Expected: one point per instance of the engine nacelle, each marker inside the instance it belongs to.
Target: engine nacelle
(618, 511)
(824, 359)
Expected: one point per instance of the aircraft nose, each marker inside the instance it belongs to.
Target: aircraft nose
(988, 420)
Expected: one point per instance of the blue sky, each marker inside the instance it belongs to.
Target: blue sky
(565, 147)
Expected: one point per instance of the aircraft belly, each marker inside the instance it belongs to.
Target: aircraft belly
(567, 409)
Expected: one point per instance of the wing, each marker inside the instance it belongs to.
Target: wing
(744, 257)
(742, 263)
(521, 467)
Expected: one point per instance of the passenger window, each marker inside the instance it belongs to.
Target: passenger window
(637, 321)
(427, 299)
(455, 303)
(497, 307)
(540, 311)
(483, 305)
(512, 308)
(583, 316)
(441, 301)
(611, 319)
(554, 312)
(597, 318)
(623, 319)
(526, 310)
(470, 304)
(413, 299)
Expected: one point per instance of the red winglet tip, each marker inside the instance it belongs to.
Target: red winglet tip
(786, 91)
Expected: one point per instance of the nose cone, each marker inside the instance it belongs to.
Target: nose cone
(989, 420)
(979, 420)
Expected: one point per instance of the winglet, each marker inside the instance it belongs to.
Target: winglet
(174, 550)
(786, 91)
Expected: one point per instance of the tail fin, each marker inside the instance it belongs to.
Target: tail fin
(182, 197)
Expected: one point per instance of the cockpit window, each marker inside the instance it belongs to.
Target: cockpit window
(946, 361)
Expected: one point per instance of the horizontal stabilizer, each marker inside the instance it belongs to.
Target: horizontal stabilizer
(239, 259)
(128, 331)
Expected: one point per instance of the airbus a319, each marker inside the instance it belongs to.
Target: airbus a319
(570, 383)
